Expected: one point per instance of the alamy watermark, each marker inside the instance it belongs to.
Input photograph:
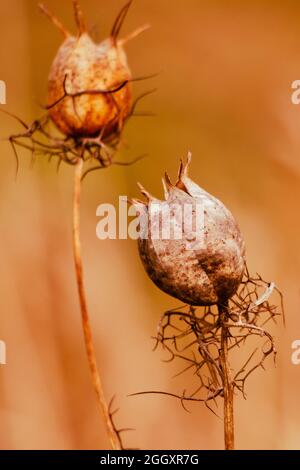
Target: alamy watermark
(2, 353)
(2, 343)
(295, 358)
(2, 92)
(295, 97)
(159, 220)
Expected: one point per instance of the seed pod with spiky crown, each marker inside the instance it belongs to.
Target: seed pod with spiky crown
(89, 84)
(205, 265)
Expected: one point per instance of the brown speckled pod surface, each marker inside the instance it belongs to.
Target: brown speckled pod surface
(89, 92)
(88, 66)
(202, 273)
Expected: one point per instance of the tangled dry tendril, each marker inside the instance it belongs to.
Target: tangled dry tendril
(193, 336)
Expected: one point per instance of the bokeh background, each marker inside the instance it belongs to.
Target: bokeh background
(224, 92)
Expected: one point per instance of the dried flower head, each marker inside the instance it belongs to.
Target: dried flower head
(205, 265)
(89, 98)
(89, 89)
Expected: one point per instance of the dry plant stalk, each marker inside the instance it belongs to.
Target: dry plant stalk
(89, 102)
(225, 307)
(204, 339)
(228, 387)
(112, 432)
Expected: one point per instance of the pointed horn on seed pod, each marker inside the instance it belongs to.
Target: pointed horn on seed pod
(145, 193)
(79, 17)
(188, 164)
(166, 189)
(134, 34)
(183, 172)
(57, 23)
(119, 21)
(135, 202)
(168, 181)
(179, 183)
(174, 191)
(181, 169)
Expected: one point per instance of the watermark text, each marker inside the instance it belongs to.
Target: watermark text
(2, 92)
(158, 220)
(2, 353)
(295, 358)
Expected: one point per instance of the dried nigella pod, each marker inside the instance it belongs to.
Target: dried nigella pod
(205, 265)
(89, 84)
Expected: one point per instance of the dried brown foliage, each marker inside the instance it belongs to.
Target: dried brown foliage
(193, 336)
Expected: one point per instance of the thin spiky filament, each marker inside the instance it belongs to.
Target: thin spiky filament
(57, 23)
(120, 21)
(134, 34)
(82, 26)
(205, 339)
(79, 18)
(38, 138)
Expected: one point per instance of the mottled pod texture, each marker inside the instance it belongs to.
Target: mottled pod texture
(86, 66)
(89, 92)
(201, 274)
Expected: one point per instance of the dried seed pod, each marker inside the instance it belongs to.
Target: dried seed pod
(89, 84)
(205, 265)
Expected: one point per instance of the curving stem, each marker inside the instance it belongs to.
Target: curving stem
(88, 336)
(228, 385)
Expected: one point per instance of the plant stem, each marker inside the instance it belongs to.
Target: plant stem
(228, 386)
(88, 336)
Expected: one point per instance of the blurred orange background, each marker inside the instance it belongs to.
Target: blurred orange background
(224, 92)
